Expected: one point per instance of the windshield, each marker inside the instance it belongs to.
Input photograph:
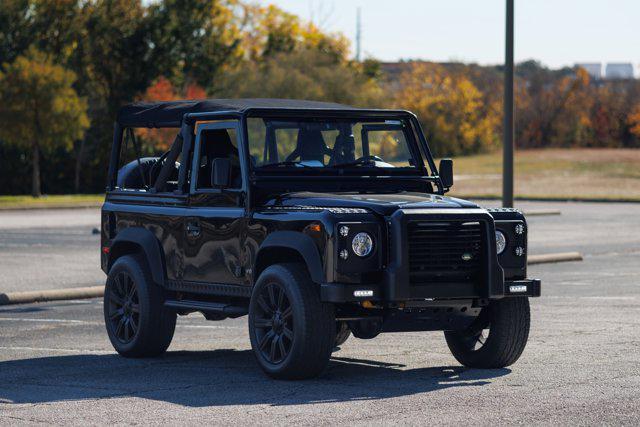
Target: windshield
(382, 145)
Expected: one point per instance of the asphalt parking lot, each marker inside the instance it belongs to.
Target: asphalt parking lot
(581, 366)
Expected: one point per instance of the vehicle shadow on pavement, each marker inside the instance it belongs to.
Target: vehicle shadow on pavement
(218, 378)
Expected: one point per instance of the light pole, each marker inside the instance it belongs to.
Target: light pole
(507, 159)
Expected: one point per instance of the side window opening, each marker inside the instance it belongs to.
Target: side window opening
(214, 144)
(143, 152)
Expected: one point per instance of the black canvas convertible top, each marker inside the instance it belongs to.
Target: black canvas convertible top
(170, 113)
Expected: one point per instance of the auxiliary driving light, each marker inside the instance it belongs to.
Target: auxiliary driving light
(362, 293)
(519, 228)
(517, 288)
(501, 242)
(362, 244)
(344, 231)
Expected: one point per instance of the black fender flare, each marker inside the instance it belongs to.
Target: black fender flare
(300, 243)
(149, 246)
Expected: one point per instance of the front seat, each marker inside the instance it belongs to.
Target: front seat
(310, 146)
(216, 143)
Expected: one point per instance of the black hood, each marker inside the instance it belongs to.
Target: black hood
(384, 204)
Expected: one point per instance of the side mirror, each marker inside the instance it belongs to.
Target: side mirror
(446, 172)
(220, 172)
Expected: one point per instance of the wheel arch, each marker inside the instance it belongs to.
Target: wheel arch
(139, 240)
(289, 246)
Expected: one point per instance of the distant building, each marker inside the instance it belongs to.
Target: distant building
(622, 70)
(593, 68)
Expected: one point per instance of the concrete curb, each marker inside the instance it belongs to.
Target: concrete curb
(98, 291)
(51, 295)
(550, 258)
(79, 205)
(541, 212)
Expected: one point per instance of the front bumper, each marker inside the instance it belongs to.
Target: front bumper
(343, 293)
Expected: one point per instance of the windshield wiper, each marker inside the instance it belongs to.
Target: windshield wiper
(285, 164)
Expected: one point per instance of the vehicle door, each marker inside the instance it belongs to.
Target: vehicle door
(215, 221)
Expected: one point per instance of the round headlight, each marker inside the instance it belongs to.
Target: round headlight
(501, 242)
(362, 244)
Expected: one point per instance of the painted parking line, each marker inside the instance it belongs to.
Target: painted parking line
(85, 322)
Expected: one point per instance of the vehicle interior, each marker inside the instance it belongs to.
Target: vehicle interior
(329, 143)
(143, 154)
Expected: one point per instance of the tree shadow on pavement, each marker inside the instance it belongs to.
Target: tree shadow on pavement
(218, 378)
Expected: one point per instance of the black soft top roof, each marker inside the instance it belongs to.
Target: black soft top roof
(170, 113)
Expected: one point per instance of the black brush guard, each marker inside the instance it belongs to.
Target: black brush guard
(442, 253)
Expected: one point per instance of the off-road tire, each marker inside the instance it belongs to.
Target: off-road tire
(509, 321)
(342, 333)
(311, 324)
(155, 323)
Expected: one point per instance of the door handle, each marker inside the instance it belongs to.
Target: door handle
(193, 229)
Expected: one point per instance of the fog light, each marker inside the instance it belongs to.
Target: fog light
(344, 231)
(519, 228)
(344, 254)
(363, 293)
(517, 288)
(519, 251)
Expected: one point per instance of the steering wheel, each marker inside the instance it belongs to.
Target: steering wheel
(370, 157)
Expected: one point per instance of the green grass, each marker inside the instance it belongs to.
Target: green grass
(53, 201)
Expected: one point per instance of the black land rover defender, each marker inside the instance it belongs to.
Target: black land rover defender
(316, 220)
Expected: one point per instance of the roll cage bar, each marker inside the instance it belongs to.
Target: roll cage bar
(189, 119)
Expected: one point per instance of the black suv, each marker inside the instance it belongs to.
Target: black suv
(318, 220)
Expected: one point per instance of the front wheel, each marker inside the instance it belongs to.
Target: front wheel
(292, 332)
(496, 338)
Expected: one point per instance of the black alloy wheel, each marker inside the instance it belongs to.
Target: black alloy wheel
(292, 332)
(137, 322)
(273, 323)
(124, 307)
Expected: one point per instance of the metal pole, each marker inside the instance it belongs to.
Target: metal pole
(507, 160)
(358, 35)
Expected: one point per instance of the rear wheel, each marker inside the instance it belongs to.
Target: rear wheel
(496, 338)
(137, 322)
(292, 332)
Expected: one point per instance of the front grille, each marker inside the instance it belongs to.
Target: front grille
(442, 252)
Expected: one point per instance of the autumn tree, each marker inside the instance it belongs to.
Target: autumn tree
(159, 139)
(196, 39)
(39, 109)
(51, 26)
(268, 31)
(305, 74)
(450, 108)
(553, 110)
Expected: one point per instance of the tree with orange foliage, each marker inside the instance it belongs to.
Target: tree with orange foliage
(633, 120)
(159, 139)
(450, 108)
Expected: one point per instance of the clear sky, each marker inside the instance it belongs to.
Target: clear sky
(556, 32)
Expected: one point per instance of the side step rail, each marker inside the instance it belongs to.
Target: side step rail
(211, 310)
